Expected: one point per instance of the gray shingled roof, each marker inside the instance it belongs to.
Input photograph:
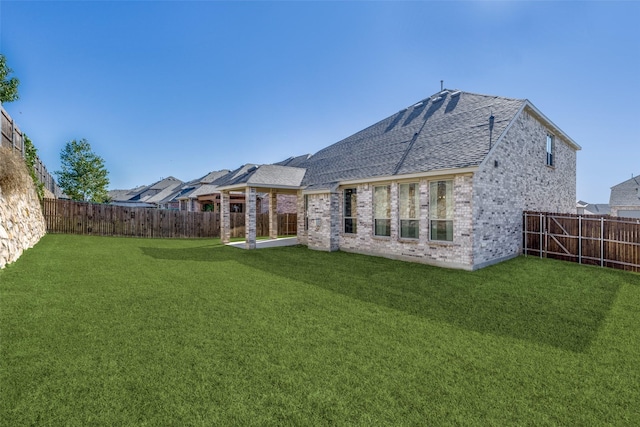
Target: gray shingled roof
(447, 130)
(212, 176)
(235, 176)
(265, 176)
(294, 161)
(626, 193)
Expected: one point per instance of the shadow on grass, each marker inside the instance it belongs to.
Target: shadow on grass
(207, 253)
(548, 302)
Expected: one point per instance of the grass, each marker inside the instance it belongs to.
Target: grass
(109, 331)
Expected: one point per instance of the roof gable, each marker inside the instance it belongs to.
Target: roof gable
(627, 193)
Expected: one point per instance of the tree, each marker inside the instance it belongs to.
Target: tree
(83, 175)
(8, 86)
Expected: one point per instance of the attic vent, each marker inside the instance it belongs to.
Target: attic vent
(419, 104)
(456, 93)
(438, 99)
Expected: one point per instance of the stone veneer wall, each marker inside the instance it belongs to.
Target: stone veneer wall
(21, 224)
(520, 181)
(324, 219)
(286, 203)
(326, 230)
(456, 254)
(623, 211)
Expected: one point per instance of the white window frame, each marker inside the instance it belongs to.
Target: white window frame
(441, 210)
(350, 199)
(551, 145)
(382, 214)
(409, 210)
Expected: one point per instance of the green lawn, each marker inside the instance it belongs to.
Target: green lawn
(117, 331)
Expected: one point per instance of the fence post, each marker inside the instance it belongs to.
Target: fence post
(541, 238)
(525, 234)
(601, 242)
(580, 240)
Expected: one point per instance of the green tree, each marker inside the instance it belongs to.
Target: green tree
(83, 175)
(31, 157)
(8, 86)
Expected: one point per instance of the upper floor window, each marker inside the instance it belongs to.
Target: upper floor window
(441, 210)
(550, 150)
(409, 211)
(381, 211)
(350, 205)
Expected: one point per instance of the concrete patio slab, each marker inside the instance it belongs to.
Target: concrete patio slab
(268, 243)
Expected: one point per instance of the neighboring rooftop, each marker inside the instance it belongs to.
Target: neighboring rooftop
(627, 193)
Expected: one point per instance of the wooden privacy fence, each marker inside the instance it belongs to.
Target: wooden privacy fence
(13, 138)
(70, 217)
(604, 241)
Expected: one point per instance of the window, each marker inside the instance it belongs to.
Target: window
(350, 205)
(306, 212)
(441, 210)
(381, 211)
(550, 149)
(409, 211)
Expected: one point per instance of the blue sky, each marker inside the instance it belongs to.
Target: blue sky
(184, 88)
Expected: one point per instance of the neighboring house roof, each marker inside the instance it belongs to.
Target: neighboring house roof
(178, 193)
(117, 195)
(132, 204)
(449, 130)
(593, 208)
(626, 193)
(204, 190)
(212, 176)
(273, 176)
(294, 161)
(162, 194)
(164, 183)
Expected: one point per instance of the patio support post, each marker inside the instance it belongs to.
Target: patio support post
(273, 215)
(225, 217)
(250, 218)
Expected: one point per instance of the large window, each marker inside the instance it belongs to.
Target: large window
(441, 210)
(550, 149)
(381, 211)
(409, 211)
(306, 212)
(350, 206)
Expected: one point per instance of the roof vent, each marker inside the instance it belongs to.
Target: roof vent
(438, 99)
(456, 93)
(419, 104)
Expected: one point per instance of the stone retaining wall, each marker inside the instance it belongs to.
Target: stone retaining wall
(21, 224)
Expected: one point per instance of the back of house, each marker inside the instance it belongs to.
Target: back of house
(443, 181)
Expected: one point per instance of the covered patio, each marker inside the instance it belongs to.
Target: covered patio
(269, 179)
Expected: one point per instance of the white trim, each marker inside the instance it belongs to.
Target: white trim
(242, 188)
(412, 176)
(552, 125)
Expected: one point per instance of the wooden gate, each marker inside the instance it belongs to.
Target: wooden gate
(604, 241)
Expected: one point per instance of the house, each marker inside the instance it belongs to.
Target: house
(188, 197)
(584, 208)
(443, 181)
(625, 198)
(146, 195)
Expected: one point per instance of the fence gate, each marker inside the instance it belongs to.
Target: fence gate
(594, 240)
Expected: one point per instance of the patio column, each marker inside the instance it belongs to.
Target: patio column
(250, 218)
(273, 215)
(225, 218)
